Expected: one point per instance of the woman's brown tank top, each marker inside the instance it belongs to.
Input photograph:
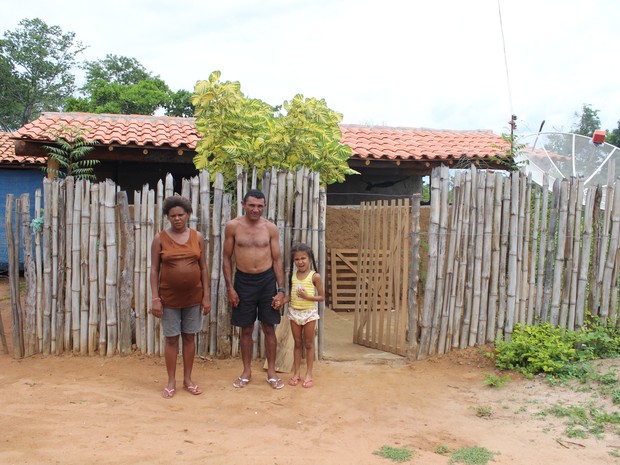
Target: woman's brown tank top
(179, 274)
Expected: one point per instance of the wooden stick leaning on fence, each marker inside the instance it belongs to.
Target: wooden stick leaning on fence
(582, 282)
(18, 323)
(223, 315)
(431, 275)
(111, 261)
(485, 314)
(478, 238)
(218, 193)
(30, 325)
(47, 269)
(438, 314)
(101, 273)
(126, 282)
(84, 267)
(495, 238)
(202, 346)
(55, 267)
(612, 250)
(93, 311)
(38, 272)
(577, 255)
(8, 222)
(531, 298)
(412, 320)
(68, 304)
(462, 311)
(75, 270)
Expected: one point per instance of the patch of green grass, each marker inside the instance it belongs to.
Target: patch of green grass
(472, 455)
(495, 381)
(608, 379)
(395, 454)
(583, 421)
(522, 409)
(442, 450)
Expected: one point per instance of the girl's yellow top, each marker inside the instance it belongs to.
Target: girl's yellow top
(297, 302)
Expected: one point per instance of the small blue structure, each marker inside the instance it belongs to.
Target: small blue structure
(18, 175)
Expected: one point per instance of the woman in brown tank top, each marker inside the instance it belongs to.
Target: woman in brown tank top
(180, 289)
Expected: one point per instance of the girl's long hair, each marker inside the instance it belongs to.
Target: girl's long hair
(300, 247)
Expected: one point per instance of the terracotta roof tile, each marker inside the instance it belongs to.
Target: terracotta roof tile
(122, 130)
(379, 142)
(366, 142)
(8, 157)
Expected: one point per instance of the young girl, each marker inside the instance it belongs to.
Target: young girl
(306, 290)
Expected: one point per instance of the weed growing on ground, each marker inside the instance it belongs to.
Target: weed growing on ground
(442, 450)
(472, 456)
(495, 381)
(483, 412)
(394, 453)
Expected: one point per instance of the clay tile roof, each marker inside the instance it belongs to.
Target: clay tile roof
(120, 130)
(366, 142)
(379, 142)
(8, 157)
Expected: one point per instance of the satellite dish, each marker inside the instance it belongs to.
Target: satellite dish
(563, 155)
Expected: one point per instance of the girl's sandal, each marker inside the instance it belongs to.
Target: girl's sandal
(294, 381)
(308, 383)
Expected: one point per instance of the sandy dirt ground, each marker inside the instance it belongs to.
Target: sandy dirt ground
(79, 410)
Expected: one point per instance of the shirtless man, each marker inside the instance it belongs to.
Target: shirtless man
(258, 288)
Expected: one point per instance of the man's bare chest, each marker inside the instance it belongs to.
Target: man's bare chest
(253, 239)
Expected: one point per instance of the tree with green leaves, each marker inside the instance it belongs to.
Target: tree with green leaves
(35, 70)
(237, 130)
(121, 85)
(587, 122)
(613, 136)
(69, 156)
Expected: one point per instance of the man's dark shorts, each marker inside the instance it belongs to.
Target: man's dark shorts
(256, 292)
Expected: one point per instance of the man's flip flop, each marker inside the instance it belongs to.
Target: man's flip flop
(241, 382)
(275, 383)
(168, 393)
(195, 390)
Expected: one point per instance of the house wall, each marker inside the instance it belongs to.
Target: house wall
(17, 182)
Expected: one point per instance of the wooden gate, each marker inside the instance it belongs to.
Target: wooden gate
(381, 305)
(342, 278)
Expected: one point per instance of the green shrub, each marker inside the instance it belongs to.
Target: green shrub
(556, 351)
(535, 349)
(601, 340)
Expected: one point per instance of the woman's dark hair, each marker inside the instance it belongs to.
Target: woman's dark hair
(300, 247)
(176, 201)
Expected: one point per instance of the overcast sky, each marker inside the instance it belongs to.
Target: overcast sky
(410, 63)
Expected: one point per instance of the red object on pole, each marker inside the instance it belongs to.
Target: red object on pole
(599, 136)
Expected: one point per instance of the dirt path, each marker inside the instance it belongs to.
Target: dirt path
(79, 410)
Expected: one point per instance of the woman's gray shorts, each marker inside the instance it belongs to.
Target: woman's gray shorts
(186, 320)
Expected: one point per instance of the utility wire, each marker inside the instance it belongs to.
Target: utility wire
(501, 26)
